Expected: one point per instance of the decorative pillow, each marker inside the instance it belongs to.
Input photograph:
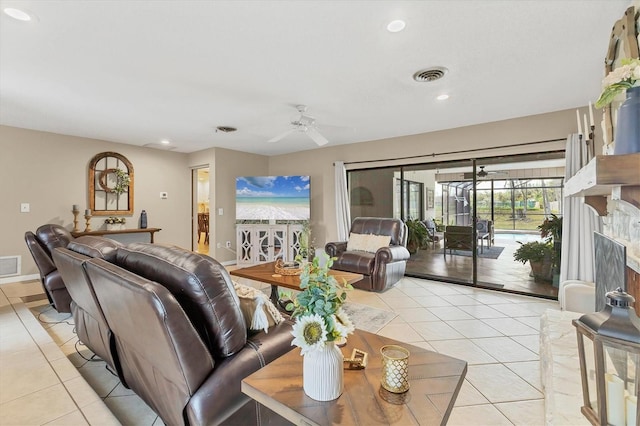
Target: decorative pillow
(258, 311)
(367, 242)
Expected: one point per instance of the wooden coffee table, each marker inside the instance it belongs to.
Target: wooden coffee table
(435, 381)
(265, 272)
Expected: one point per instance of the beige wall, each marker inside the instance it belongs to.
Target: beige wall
(318, 163)
(225, 166)
(49, 171)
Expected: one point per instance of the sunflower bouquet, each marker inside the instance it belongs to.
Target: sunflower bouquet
(318, 313)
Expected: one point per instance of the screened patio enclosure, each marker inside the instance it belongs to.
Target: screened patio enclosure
(516, 195)
(511, 204)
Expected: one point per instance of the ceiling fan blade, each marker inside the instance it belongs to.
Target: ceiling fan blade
(317, 137)
(281, 136)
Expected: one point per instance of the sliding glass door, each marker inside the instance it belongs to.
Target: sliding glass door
(475, 217)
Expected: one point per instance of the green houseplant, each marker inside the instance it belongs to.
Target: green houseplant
(551, 230)
(540, 257)
(417, 235)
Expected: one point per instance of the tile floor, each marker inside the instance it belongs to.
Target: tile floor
(496, 333)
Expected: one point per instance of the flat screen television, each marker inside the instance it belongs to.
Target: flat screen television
(272, 198)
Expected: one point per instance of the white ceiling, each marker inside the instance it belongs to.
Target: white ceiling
(137, 72)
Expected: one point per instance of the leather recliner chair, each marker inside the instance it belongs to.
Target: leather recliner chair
(91, 326)
(41, 244)
(382, 269)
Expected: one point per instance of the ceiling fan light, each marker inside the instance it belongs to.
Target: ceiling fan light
(396, 26)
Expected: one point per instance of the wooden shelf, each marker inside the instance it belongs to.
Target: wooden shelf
(617, 176)
(101, 232)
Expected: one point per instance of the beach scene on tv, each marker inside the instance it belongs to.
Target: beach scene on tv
(272, 198)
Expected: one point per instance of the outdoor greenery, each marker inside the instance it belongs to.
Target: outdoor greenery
(551, 229)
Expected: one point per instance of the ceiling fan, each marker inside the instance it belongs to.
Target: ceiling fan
(482, 173)
(304, 124)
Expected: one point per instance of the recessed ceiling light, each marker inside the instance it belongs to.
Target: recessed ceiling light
(442, 97)
(165, 142)
(18, 14)
(396, 26)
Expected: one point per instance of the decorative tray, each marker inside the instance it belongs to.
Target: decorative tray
(288, 268)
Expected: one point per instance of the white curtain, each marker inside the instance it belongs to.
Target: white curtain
(343, 217)
(579, 222)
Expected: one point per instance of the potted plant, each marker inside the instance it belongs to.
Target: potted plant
(540, 257)
(417, 236)
(320, 324)
(115, 223)
(551, 230)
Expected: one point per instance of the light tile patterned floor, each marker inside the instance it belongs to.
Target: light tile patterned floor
(496, 333)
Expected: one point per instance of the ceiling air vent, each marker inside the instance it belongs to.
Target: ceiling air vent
(431, 74)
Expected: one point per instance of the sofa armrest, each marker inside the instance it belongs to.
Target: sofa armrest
(336, 248)
(392, 254)
(220, 395)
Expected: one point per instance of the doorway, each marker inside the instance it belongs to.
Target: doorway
(200, 210)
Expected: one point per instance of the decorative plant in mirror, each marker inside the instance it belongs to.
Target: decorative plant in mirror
(122, 181)
(622, 78)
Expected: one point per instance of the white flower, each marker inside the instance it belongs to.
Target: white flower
(309, 332)
(344, 321)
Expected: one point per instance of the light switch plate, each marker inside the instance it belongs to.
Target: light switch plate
(220, 211)
(25, 208)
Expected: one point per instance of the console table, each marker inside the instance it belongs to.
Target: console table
(101, 232)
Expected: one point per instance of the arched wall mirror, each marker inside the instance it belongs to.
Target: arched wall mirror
(110, 185)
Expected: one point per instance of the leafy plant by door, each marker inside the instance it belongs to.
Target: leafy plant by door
(417, 237)
(540, 256)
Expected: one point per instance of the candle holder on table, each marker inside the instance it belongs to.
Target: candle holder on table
(87, 222)
(75, 212)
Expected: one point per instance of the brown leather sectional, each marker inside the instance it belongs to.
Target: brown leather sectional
(169, 322)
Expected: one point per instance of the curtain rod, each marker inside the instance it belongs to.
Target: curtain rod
(433, 155)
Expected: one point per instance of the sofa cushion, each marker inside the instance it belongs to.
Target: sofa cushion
(258, 311)
(355, 261)
(367, 242)
(381, 226)
(201, 285)
(96, 247)
(52, 236)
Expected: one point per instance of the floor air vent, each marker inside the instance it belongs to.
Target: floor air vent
(9, 266)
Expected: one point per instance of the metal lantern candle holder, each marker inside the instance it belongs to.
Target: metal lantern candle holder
(395, 368)
(609, 350)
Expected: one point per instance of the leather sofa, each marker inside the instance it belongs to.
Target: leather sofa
(178, 336)
(41, 244)
(381, 269)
